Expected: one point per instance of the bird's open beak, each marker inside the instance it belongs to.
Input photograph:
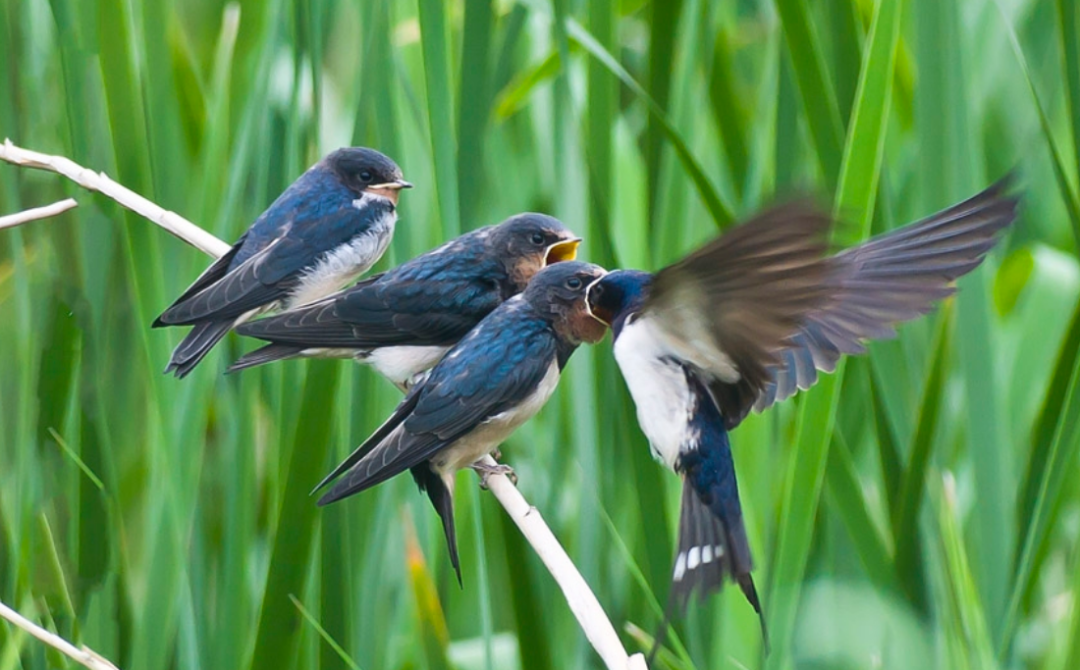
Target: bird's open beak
(588, 302)
(563, 250)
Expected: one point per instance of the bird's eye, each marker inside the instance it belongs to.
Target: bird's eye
(537, 238)
(573, 283)
(365, 176)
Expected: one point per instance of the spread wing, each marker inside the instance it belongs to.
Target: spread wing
(267, 265)
(729, 307)
(498, 365)
(889, 279)
(383, 311)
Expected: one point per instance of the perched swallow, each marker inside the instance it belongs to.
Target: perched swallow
(327, 228)
(749, 319)
(403, 321)
(496, 378)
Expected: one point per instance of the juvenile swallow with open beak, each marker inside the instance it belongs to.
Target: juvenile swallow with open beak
(329, 227)
(496, 378)
(403, 321)
(747, 321)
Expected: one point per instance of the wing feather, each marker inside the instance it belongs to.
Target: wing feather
(892, 278)
(729, 307)
(492, 370)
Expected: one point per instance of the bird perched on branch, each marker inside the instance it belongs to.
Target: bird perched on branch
(491, 382)
(329, 227)
(401, 322)
(749, 319)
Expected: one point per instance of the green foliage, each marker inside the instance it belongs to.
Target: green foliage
(913, 510)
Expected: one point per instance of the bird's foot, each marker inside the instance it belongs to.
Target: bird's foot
(485, 470)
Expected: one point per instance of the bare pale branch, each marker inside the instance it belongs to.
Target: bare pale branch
(583, 603)
(28, 215)
(83, 655)
(100, 182)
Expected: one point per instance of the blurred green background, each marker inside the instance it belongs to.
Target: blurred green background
(918, 509)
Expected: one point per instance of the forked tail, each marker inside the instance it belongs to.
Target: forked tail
(193, 348)
(712, 546)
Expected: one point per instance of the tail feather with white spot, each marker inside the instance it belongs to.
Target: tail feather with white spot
(712, 547)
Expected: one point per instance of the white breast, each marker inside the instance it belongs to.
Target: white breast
(658, 386)
(490, 434)
(345, 263)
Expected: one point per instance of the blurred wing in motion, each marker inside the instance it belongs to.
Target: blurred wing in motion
(729, 307)
(891, 278)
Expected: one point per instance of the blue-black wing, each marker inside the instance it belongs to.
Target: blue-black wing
(385, 311)
(301, 225)
(497, 366)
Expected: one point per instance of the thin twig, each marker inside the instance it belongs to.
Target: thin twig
(100, 182)
(83, 655)
(583, 603)
(28, 215)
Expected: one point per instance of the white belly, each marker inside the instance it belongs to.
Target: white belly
(662, 397)
(344, 264)
(490, 434)
(401, 364)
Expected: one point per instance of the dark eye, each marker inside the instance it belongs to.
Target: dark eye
(573, 283)
(537, 238)
(365, 176)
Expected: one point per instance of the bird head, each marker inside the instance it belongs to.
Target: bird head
(527, 243)
(617, 295)
(364, 170)
(558, 291)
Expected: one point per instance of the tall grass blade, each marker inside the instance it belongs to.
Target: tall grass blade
(815, 85)
(905, 517)
(720, 212)
(433, 30)
(842, 489)
(278, 636)
(1068, 15)
(430, 618)
(663, 28)
(474, 103)
(728, 107)
(858, 185)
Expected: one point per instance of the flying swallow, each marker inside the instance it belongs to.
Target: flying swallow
(403, 321)
(496, 378)
(330, 226)
(749, 319)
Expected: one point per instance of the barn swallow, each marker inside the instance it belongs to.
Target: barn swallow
(403, 321)
(749, 319)
(330, 226)
(496, 378)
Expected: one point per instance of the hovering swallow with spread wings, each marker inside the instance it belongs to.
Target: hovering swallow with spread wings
(403, 321)
(749, 319)
(329, 227)
(496, 378)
